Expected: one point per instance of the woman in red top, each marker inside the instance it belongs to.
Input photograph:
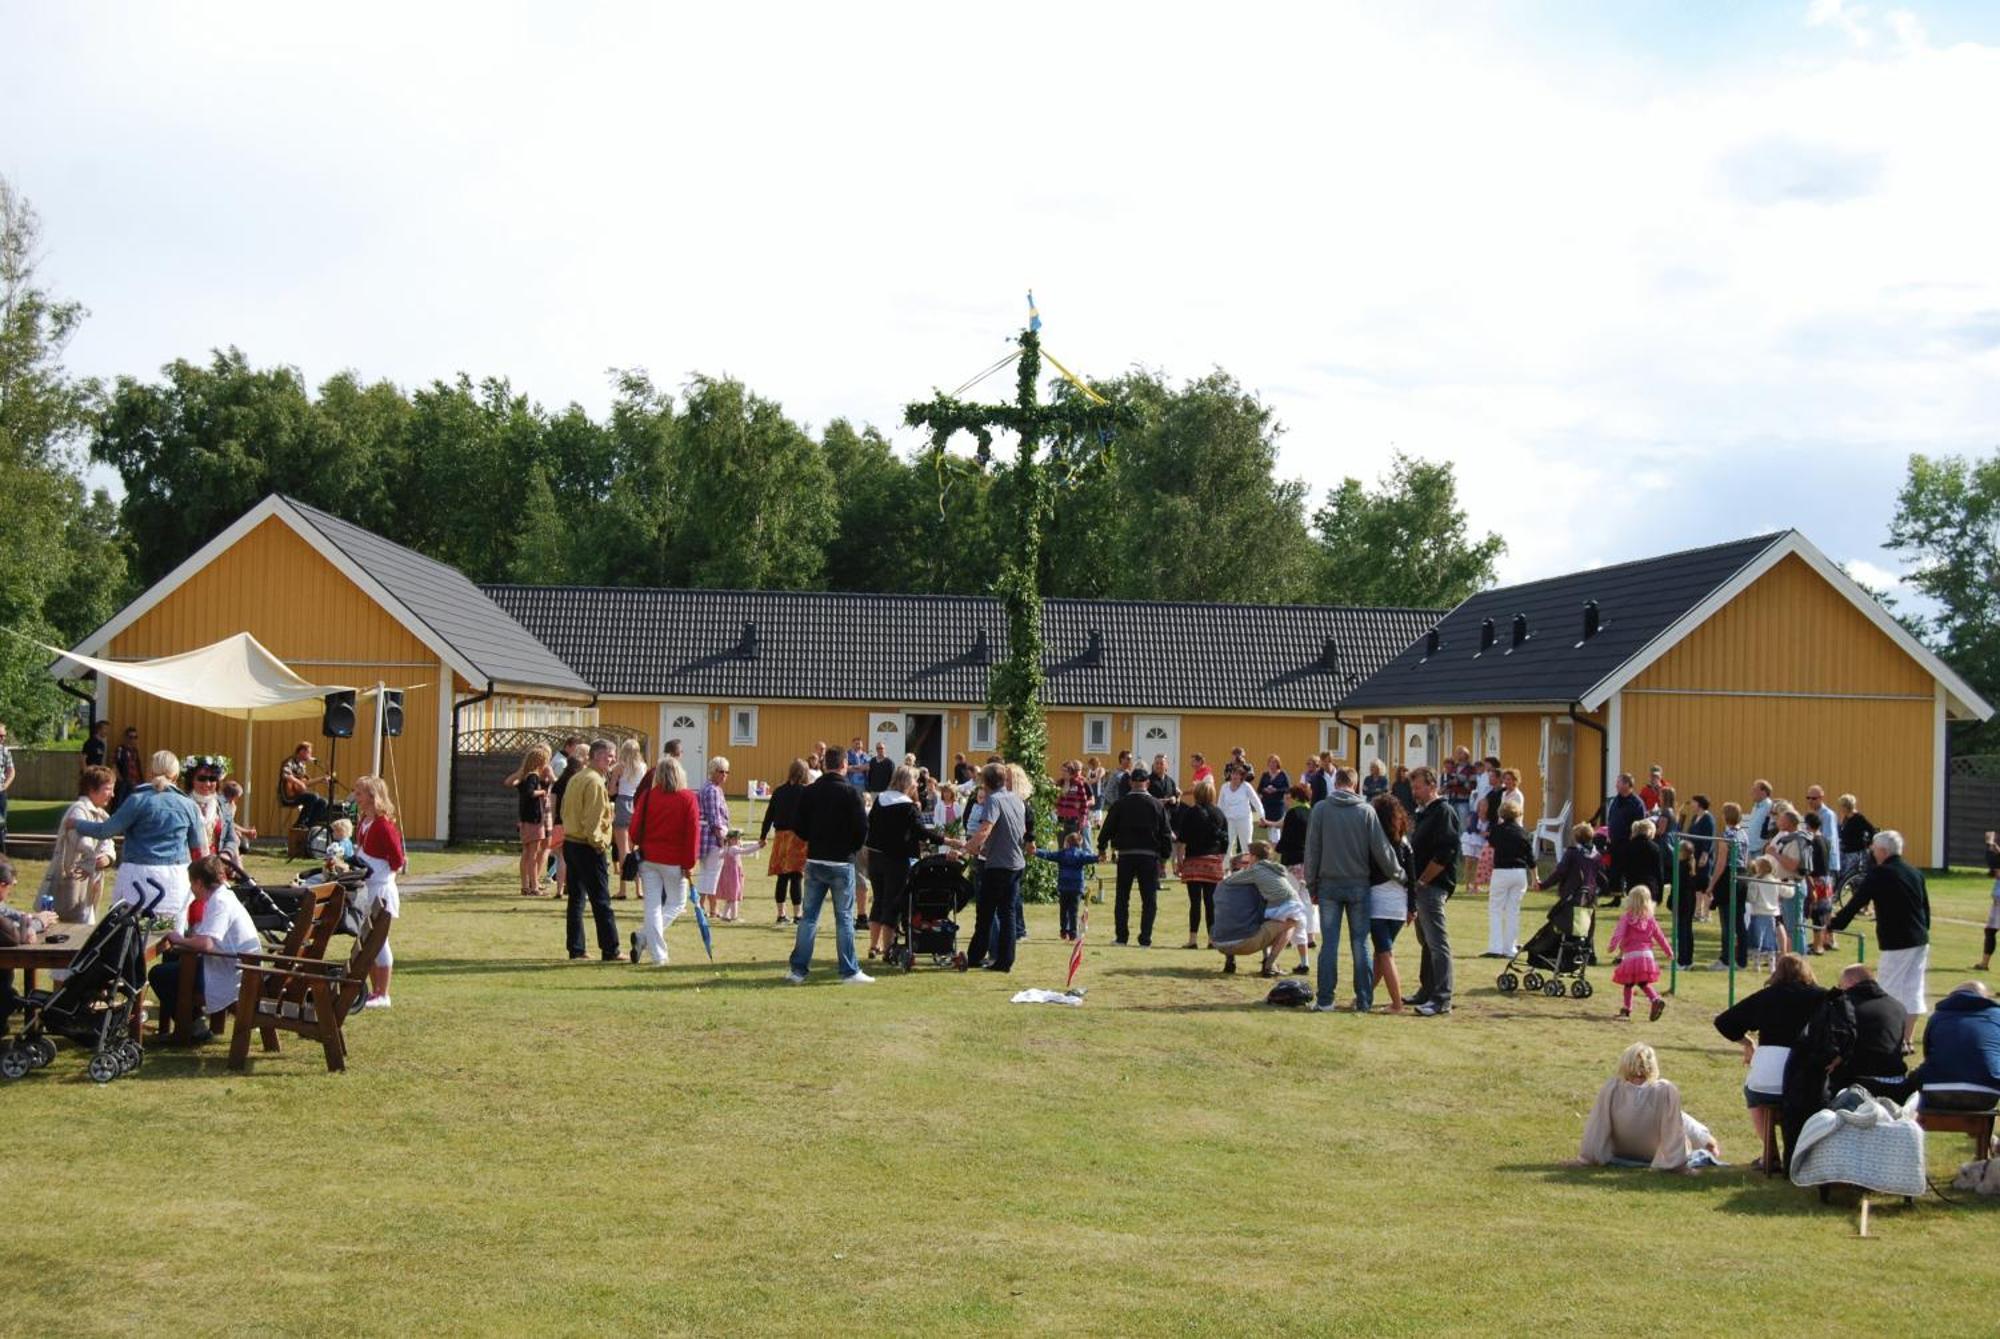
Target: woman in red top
(379, 847)
(666, 825)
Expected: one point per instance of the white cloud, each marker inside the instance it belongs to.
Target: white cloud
(1577, 272)
(1874, 577)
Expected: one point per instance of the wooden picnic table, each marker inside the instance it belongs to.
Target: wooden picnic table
(54, 953)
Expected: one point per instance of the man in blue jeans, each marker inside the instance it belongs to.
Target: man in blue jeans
(1002, 844)
(1345, 849)
(833, 825)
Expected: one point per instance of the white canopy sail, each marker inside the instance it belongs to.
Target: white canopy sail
(235, 677)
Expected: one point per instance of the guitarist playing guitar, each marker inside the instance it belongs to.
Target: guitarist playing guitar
(295, 786)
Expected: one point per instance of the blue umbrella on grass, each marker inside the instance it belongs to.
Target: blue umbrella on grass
(701, 921)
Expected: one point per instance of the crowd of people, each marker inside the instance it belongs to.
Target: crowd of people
(1269, 864)
(164, 832)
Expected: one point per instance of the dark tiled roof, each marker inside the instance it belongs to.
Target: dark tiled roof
(926, 648)
(1636, 601)
(1217, 656)
(445, 599)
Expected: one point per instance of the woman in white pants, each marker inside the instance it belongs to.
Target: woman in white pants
(162, 833)
(666, 825)
(1242, 808)
(1513, 866)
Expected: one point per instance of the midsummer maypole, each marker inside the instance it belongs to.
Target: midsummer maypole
(1015, 687)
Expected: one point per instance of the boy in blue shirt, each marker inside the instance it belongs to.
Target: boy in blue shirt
(1071, 861)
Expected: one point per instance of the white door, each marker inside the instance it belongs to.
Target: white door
(1416, 744)
(886, 727)
(687, 722)
(1157, 734)
(1374, 745)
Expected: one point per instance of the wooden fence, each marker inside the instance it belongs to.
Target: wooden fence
(45, 774)
(1971, 807)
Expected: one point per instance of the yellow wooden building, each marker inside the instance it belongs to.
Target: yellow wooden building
(762, 676)
(1755, 659)
(1758, 659)
(340, 606)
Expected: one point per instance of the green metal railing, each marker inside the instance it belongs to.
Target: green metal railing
(1732, 922)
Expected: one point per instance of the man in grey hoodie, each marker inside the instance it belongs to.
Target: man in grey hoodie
(1345, 846)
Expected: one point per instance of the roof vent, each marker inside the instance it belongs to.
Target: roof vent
(747, 648)
(1487, 636)
(1431, 643)
(1520, 633)
(1094, 653)
(979, 654)
(1329, 656)
(1591, 621)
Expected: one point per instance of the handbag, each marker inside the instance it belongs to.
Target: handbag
(628, 868)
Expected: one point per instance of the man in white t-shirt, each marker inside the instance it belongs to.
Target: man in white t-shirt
(225, 928)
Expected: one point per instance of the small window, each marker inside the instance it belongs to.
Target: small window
(1097, 734)
(743, 726)
(982, 730)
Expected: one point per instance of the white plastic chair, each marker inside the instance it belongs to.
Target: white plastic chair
(1552, 832)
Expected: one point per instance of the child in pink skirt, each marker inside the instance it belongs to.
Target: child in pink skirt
(1635, 937)
(729, 877)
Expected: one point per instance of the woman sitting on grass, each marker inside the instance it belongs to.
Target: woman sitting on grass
(1637, 1119)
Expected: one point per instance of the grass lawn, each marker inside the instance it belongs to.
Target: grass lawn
(529, 1146)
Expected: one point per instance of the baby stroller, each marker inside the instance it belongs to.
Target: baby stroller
(272, 910)
(93, 1005)
(937, 891)
(1555, 959)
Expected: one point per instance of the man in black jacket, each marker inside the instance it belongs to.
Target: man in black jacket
(833, 825)
(1136, 827)
(1876, 1060)
(881, 769)
(1625, 809)
(1160, 783)
(1902, 925)
(1434, 853)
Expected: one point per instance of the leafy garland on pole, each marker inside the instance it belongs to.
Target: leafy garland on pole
(1015, 686)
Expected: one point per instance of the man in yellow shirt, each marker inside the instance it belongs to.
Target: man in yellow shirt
(586, 821)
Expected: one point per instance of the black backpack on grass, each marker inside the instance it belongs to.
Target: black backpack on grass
(1290, 993)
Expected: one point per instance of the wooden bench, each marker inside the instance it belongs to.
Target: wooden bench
(307, 998)
(31, 845)
(312, 929)
(1978, 1124)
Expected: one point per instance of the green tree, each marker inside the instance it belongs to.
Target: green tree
(754, 509)
(1190, 506)
(1403, 543)
(61, 572)
(197, 450)
(639, 502)
(476, 491)
(1947, 528)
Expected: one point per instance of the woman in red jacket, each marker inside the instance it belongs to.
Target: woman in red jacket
(666, 825)
(379, 847)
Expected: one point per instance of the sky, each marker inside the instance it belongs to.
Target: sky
(1649, 275)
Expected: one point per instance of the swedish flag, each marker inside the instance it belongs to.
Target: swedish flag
(1034, 317)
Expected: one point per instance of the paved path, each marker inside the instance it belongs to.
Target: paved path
(472, 869)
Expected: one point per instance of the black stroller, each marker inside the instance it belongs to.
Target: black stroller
(1555, 959)
(938, 890)
(93, 1005)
